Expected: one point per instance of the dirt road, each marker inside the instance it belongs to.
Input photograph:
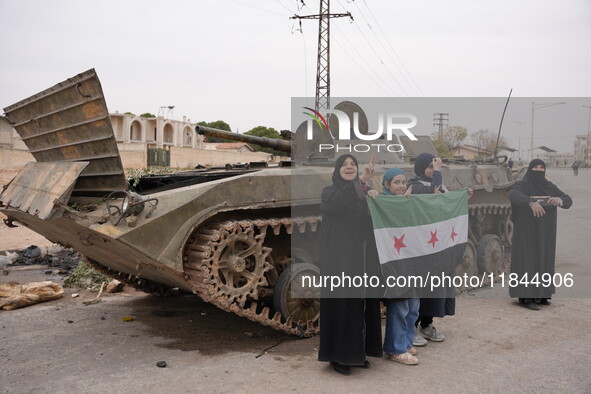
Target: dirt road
(492, 345)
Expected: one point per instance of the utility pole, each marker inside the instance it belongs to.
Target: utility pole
(441, 120)
(535, 106)
(588, 149)
(323, 62)
(519, 148)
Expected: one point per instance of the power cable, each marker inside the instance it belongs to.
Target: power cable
(393, 50)
(259, 8)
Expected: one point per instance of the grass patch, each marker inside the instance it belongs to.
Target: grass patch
(85, 277)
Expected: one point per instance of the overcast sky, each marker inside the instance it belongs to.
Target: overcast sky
(241, 61)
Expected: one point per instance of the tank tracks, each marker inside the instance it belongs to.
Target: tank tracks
(227, 264)
(479, 214)
(495, 209)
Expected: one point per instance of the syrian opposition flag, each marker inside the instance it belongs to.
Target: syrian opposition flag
(418, 238)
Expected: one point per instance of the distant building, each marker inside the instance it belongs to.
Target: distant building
(470, 152)
(582, 150)
(156, 132)
(563, 160)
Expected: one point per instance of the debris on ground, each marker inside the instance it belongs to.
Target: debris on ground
(161, 364)
(97, 298)
(9, 258)
(14, 295)
(115, 286)
(92, 302)
(128, 318)
(62, 259)
(85, 277)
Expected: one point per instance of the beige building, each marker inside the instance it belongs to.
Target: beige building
(146, 141)
(562, 160)
(470, 152)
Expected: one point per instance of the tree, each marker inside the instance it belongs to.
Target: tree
(147, 115)
(442, 150)
(486, 141)
(262, 131)
(218, 124)
(447, 140)
(269, 132)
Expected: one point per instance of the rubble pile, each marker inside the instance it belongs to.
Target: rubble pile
(61, 259)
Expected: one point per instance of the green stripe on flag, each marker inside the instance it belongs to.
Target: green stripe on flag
(417, 210)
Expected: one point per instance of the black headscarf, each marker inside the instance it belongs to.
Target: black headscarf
(536, 178)
(337, 180)
(422, 162)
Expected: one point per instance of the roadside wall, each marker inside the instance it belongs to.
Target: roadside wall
(14, 158)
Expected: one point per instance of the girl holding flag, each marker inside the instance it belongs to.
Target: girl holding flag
(429, 180)
(401, 314)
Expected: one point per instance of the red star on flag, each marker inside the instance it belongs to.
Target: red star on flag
(399, 243)
(433, 238)
(453, 234)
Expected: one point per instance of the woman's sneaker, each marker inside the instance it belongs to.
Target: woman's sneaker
(431, 334)
(418, 339)
(404, 358)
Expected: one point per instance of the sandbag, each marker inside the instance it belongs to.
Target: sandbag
(14, 295)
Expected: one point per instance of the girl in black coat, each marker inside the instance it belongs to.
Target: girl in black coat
(429, 180)
(350, 323)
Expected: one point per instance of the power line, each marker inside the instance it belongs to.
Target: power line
(284, 6)
(415, 105)
(394, 51)
(258, 8)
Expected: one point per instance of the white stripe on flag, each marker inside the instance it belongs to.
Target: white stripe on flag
(405, 242)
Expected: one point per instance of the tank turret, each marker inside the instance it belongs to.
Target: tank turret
(277, 144)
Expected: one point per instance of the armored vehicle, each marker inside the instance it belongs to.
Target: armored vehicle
(224, 234)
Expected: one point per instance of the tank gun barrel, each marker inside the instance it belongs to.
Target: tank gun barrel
(280, 145)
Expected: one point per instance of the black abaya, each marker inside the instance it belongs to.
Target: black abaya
(350, 328)
(534, 238)
(445, 305)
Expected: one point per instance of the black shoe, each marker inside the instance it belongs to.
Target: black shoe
(545, 301)
(340, 368)
(532, 306)
(366, 364)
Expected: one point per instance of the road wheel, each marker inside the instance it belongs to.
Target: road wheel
(469, 264)
(292, 299)
(490, 254)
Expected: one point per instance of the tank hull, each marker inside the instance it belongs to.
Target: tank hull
(223, 234)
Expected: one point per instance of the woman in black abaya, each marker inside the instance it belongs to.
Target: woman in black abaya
(534, 202)
(350, 323)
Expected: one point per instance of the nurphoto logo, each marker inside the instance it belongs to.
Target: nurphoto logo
(393, 121)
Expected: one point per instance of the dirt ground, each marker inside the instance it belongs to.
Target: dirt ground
(492, 344)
